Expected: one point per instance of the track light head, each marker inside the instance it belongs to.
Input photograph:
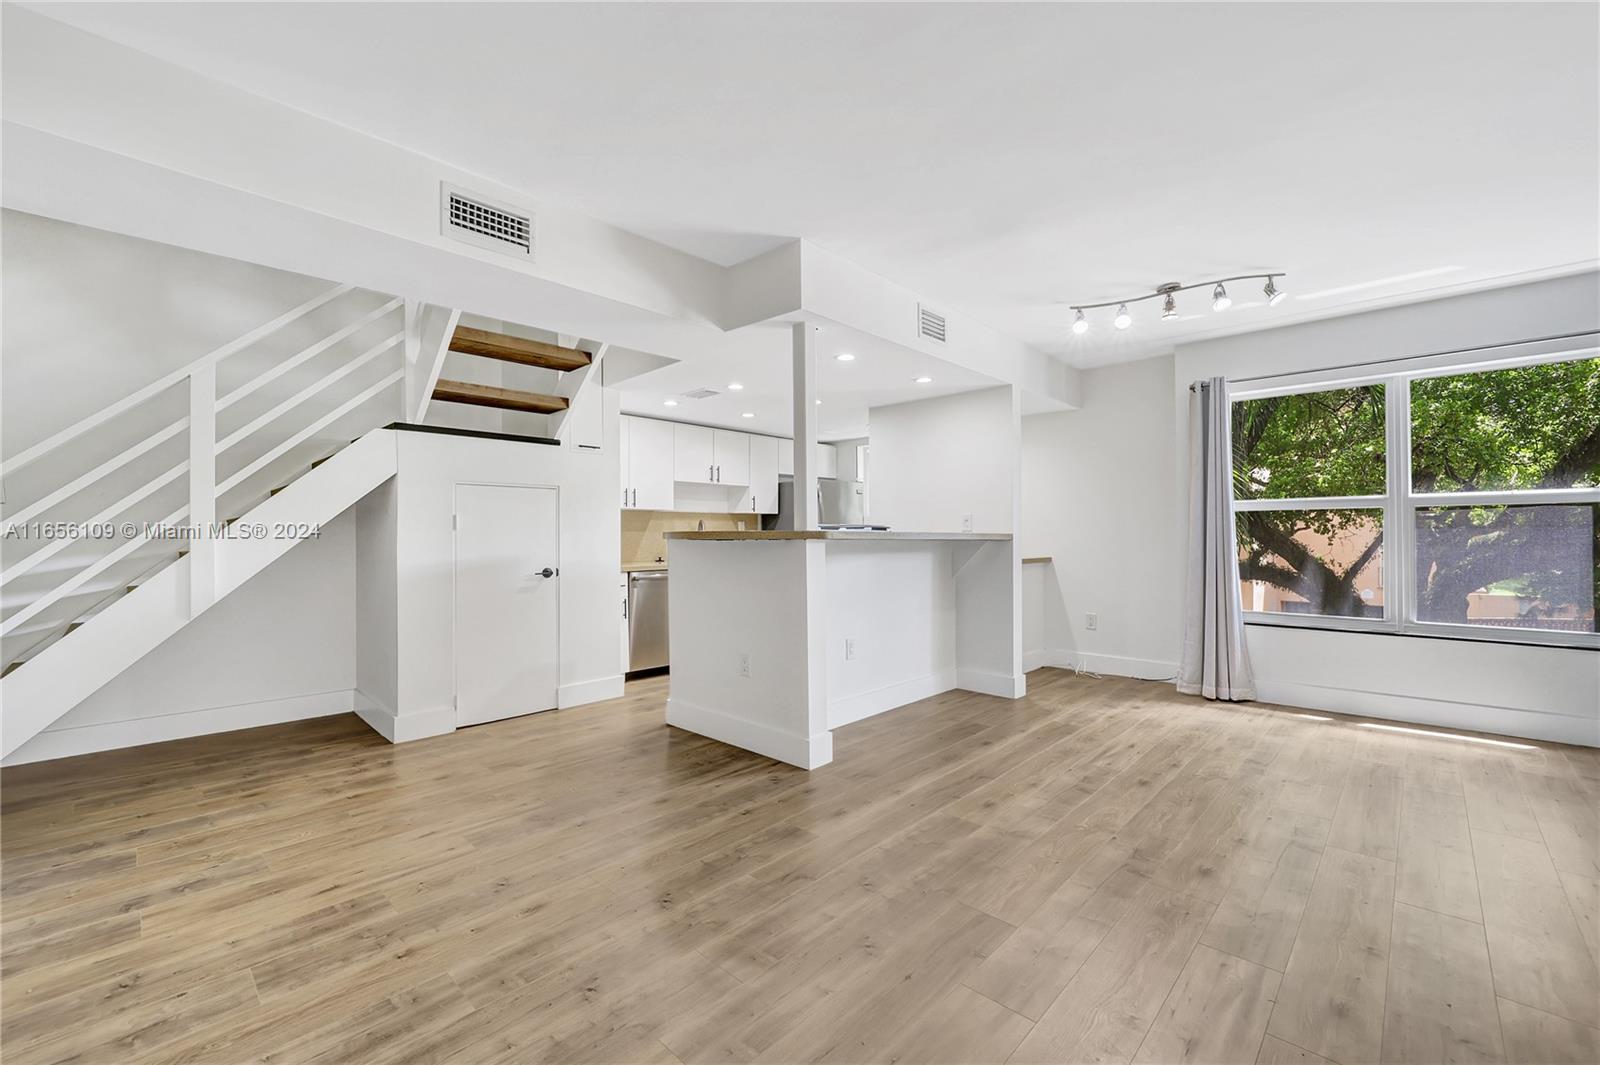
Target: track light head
(1080, 324)
(1169, 308)
(1220, 300)
(1123, 319)
(1273, 293)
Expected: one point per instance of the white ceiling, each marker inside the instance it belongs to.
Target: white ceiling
(880, 373)
(1004, 159)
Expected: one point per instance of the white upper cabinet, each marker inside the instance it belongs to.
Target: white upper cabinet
(659, 458)
(647, 455)
(764, 474)
(693, 453)
(730, 457)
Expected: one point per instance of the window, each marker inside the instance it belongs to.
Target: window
(1440, 501)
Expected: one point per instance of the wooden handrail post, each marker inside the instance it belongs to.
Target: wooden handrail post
(202, 487)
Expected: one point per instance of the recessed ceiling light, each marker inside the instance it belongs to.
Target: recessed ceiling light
(748, 414)
(734, 386)
(670, 403)
(924, 381)
(845, 356)
(819, 402)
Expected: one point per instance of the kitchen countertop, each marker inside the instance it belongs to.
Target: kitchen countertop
(830, 534)
(1037, 560)
(644, 567)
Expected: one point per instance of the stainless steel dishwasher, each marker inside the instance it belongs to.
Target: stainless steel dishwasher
(647, 620)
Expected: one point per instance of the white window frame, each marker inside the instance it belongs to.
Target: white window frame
(1399, 505)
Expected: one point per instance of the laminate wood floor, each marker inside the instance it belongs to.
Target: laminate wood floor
(1103, 871)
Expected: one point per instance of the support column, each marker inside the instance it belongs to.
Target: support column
(805, 425)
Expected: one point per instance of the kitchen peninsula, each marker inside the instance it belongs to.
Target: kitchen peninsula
(780, 637)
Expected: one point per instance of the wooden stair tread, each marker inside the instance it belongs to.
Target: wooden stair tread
(495, 396)
(518, 350)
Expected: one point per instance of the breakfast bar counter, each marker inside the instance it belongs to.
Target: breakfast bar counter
(780, 637)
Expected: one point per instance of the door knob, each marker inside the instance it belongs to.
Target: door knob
(548, 572)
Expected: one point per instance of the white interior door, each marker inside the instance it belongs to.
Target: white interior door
(508, 601)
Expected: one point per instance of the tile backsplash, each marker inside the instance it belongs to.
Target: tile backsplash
(644, 532)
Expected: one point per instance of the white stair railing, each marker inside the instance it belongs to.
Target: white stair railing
(205, 492)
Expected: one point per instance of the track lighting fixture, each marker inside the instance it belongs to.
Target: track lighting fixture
(1168, 293)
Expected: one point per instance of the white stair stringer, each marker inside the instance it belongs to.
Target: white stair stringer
(58, 678)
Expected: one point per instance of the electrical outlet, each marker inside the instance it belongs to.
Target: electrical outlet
(744, 665)
(849, 648)
(966, 523)
(1091, 621)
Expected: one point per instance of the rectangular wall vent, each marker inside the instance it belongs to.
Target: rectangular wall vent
(930, 324)
(481, 221)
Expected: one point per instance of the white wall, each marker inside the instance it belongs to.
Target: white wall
(281, 648)
(376, 590)
(935, 461)
(92, 316)
(423, 656)
(1097, 498)
(1536, 692)
(897, 603)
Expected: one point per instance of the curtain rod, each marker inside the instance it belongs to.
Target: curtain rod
(1408, 358)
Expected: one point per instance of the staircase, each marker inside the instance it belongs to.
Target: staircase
(571, 363)
(127, 525)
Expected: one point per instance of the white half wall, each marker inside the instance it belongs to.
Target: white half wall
(281, 648)
(895, 604)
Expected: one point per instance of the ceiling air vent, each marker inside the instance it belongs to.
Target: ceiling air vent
(701, 393)
(930, 324)
(481, 221)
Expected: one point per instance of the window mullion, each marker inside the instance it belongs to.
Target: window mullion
(1398, 521)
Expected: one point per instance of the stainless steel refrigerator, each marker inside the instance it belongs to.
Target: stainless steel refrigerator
(839, 502)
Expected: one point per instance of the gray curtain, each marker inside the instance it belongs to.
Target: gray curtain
(1215, 663)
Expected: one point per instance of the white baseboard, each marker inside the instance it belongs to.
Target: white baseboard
(868, 704)
(136, 732)
(589, 691)
(1437, 713)
(984, 682)
(1105, 665)
(405, 728)
(803, 751)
